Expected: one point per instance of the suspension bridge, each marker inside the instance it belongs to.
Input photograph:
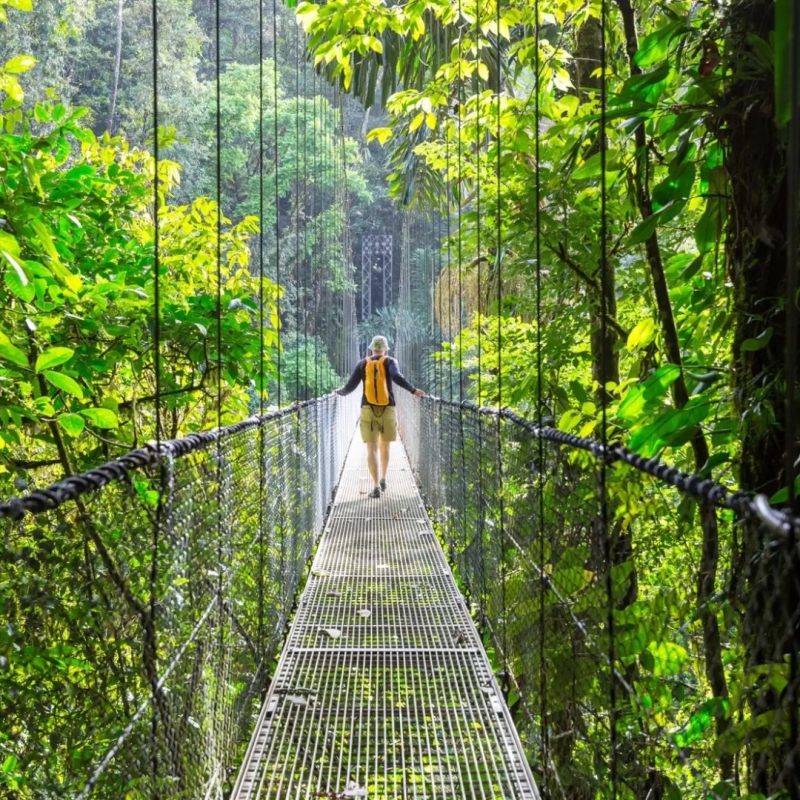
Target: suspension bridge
(391, 679)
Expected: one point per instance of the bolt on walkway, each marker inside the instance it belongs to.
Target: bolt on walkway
(383, 689)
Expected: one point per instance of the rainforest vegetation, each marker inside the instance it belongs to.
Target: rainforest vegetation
(589, 206)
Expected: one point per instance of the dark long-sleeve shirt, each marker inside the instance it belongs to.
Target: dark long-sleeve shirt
(393, 375)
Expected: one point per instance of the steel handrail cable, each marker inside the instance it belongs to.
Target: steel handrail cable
(747, 504)
(74, 486)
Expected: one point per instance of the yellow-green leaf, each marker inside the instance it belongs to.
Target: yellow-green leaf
(73, 424)
(19, 64)
(65, 383)
(13, 354)
(53, 357)
(642, 334)
(416, 122)
(100, 417)
(381, 134)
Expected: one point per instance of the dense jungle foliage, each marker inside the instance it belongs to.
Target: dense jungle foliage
(486, 118)
(655, 223)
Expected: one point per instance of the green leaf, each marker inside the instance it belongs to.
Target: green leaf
(13, 354)
(73, 424)
(655, 386)
(759, 343)
(9, 243)
(101, 417)
(19, 64)
(53, 357)
(670, 658)
(65, 383)
(45, 239)
(16, 279)
(642, 334)
(782, 495)
(644, 230)
(655, 47)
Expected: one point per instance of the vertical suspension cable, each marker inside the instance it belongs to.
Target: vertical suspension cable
(460, 257)
(297, 211)
(479, 316)
(277, 193)
(150, 635)
(261, 324)
(544, 732)
(603, 471)
(306, 265)
(499, 257)
(218, 121)
(792, 322)
(793, 326)
(314, 229)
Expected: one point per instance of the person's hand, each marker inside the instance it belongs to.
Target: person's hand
(419, 393)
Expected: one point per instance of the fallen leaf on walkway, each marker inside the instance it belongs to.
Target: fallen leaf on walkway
(297, 699)
(320, 573)
(354, 790)
(333, 593)
(364, 612)
(382, 566)
(334, 633)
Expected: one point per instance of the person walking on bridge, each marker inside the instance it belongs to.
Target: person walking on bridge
(378, 373)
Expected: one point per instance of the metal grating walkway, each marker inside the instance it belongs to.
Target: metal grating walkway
(383, 689)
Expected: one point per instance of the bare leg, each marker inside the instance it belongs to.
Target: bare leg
(372, 461)
(384, 458)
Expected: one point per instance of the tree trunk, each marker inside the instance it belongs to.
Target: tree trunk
(756, 255)
(117, 65)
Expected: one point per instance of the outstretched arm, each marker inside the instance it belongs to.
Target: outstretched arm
(400, 380)
(355, 379)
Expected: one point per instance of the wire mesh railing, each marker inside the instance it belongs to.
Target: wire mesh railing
(645, 624)
(141, 621)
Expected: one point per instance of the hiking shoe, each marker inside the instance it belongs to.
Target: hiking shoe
(376, 492)
(383, 484)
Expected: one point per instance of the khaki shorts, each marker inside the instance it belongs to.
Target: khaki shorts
(378, 423)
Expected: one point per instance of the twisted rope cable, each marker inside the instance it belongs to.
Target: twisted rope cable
(74, 486)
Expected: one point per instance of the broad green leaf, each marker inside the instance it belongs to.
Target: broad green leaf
(73, 424)
(13, 354)
(669, 658)
(644, 230)
(100, 417)
(655, 47)
(19, 64)
(65, 383)
(21, 5)
(9, 243)
(46, 240)
(642, 334)
(655, 386)
(53, 357)
(759, 343)
(10, 763)
(782, 495)
(16, 279)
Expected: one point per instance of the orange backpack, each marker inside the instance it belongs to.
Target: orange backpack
(376, 385)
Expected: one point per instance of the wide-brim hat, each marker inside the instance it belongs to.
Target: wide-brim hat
(379, 343)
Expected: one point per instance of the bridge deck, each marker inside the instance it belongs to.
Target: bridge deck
(383, 689)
